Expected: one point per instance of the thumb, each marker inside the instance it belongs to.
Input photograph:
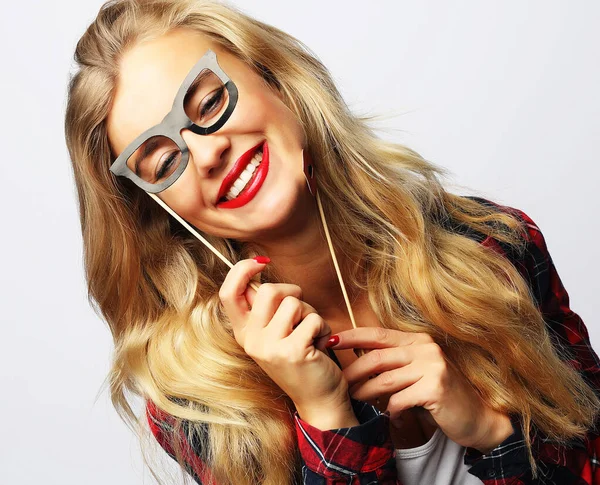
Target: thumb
(320, 341)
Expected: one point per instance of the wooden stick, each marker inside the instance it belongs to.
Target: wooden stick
(195, 233)
(337, 269)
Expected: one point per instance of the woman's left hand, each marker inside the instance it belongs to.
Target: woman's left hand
(413, 371)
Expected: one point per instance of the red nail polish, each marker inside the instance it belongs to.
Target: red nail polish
(262, 259)
(332, 341)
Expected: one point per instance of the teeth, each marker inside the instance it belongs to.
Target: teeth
(245, 176)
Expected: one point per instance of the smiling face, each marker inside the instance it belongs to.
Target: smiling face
(149, 76)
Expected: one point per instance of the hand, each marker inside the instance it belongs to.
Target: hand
(284, 336)
(413, 371)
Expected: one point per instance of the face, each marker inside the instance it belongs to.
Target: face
(149, 77)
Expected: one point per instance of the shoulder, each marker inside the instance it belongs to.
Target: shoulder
(532, 260)
(532, 233)
(162, 426)
(531, 226)
(171, 433)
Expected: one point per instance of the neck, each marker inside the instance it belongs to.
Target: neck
(302, 257)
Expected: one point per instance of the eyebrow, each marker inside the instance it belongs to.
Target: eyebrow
(149, 147)
(199, 79)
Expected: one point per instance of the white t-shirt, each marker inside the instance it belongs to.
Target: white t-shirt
(440, 461)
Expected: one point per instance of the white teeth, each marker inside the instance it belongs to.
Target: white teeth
(233, 193)
(245, 176)
(242, 180)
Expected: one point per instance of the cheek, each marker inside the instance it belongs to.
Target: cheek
(257, 108)
(184, 195)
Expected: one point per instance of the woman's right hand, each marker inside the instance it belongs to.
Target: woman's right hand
(285, 336)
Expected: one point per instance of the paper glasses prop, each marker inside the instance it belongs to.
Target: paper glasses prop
(203, 103)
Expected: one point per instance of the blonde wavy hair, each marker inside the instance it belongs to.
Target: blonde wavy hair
(157, 285)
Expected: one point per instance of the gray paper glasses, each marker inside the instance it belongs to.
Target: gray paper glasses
(204, 102)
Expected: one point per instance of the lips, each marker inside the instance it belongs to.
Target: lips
(253, 185)
(237, 169)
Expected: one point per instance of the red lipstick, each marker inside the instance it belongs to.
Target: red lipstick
(253, 185)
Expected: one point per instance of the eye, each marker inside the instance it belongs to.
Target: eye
(169, 165)
(215, 101)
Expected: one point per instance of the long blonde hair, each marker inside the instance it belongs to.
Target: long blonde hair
(157, 286)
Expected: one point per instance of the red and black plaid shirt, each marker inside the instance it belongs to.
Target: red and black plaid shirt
(364, 454)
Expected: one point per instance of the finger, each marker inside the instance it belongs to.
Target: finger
(378, 361)
(232, 291)
(412, 396)
(250, 294)
(267, 300)
(386, 383)
(312, 328)
(377, 338)
(290, 313)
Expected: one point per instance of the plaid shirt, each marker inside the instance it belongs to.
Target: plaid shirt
(364, 454)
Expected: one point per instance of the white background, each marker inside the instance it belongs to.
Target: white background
(502, 94)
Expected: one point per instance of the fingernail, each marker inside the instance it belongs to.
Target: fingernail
(262, 259)
(332, 341)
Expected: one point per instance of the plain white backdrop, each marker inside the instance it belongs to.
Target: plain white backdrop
(502, 94)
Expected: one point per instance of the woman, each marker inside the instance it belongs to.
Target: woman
(477, 370)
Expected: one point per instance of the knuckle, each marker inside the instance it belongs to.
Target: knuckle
(425, 338)
(394, 402)
(292, 302)
(440, 369)
(308, 309)
(223, 293)
(382, 334)
(375, 357)
(293, 306)
(268, 289)
(312, 318)
(314, 321)
(387, 379)
(435, 351)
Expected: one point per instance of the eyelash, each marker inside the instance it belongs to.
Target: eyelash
(211, 103)
(165, 166)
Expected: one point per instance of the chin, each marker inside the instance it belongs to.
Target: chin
(281, 213)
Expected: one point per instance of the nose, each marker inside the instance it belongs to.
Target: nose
(206, 151)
